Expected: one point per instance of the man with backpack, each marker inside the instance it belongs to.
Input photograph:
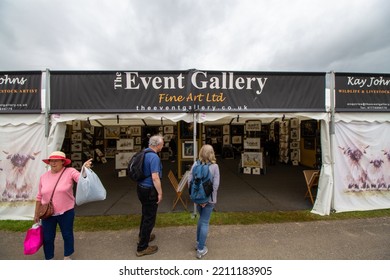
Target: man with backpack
(204, 174)
(149, 193)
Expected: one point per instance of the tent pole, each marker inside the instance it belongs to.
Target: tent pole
(194, 116)
(47, 104)
(332, 126)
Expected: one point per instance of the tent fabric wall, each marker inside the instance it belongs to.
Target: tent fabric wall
(23, 145)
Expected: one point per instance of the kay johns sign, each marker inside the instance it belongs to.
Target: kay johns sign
(202, 91)
(362, 92)
(20, 92)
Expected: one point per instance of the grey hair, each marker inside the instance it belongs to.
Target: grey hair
(155, 140)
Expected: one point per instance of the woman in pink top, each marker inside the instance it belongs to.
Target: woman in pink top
(63, 202)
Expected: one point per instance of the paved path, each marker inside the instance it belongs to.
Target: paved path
(356, 239)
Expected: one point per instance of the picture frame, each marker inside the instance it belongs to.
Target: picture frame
(253, 125)
(295, 155)
(111, 132)
(256, 171)
(76, 125)
(252, 159)
(187, 130)
(168, 129)
(75, 156)
(226, 140)
(294, 134)
(226, 129)
(122, 159)
(247, 170)
(236, 139)
(125, 144)
(135, 131)
(294, 123)
(188, 149)
(77, 136)
(294, 145)
(308, 128)
(138, 140)
(252, 143)
(76, 147)
(77, 164)
(167, 138)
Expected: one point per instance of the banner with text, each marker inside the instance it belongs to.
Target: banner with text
(194, 90)
(20, 92)
(362, 92)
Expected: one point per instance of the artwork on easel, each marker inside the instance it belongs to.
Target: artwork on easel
(252, 159)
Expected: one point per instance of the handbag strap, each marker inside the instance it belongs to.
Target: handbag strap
(56, 184)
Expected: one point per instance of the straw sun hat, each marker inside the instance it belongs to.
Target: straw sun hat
(58, 155)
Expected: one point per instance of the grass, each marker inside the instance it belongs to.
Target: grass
(123, 222)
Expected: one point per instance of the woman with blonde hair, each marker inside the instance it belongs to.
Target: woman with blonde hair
(206, 156)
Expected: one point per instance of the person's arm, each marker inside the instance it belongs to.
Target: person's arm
(37, 205)
(157, 185)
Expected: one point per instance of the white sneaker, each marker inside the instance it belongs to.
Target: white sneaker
(201, 253)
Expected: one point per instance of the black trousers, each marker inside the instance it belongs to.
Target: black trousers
(148, 198)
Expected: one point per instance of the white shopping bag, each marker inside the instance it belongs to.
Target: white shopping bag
(89, 188)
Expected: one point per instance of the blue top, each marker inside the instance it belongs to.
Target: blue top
(152, 164)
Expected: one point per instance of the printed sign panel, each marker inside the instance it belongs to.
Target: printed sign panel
(362, 92)
(20, 92)
(203, 91)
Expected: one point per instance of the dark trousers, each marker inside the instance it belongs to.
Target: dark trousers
(49, 225)
(148, 199)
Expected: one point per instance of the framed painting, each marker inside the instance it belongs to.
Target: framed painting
(168, 129)
(309, 128)
(226, 129)
(236, 139)
(294, 134)
(77, 136)
(111, 132)
(252, 159)
(252, 143)
(135, 131)
(226, 140)
(294, 145)
(76, 125)
(188, 149)
(122, 160)
(294, 123)
(125, 144)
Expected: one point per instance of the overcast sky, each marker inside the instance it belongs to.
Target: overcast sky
(242, 35)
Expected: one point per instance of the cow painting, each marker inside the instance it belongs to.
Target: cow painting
(357, 180)
(18, 187)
